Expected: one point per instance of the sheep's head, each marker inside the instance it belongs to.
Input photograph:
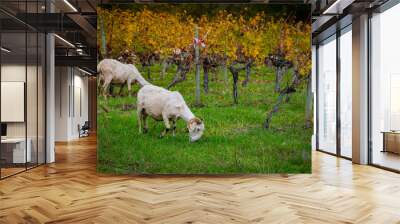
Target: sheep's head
(196, 129)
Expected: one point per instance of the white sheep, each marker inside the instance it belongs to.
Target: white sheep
(167, 106)
(113, 71)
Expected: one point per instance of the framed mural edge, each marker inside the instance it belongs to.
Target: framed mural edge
(204, 88)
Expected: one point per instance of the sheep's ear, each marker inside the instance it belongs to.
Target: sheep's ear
(188, 127)
(200, 121)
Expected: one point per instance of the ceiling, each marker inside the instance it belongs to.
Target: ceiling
(72, 20)
(19, 54)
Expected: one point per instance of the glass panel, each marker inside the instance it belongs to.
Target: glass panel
(23, 79)
(346, 92)
(32, 98)
(41, 99)
(385, 84)
(327, 95)
(13, 86)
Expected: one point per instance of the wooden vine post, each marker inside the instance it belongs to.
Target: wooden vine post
(197, 62)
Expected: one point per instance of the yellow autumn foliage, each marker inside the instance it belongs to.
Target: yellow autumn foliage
(258, 36)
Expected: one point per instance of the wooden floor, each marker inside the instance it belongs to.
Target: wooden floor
(70, 191)
(387, 159)
(5, 172)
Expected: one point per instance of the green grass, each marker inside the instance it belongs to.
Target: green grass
(234, 140)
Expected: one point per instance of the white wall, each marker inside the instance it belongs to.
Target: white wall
(71, 94)
(62, 82)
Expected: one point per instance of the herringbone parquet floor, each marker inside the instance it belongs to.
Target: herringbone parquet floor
(70, 191)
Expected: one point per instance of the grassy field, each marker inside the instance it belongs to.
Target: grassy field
(234, 140)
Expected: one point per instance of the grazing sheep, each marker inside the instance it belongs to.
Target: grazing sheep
(167, 106)
(113, 71)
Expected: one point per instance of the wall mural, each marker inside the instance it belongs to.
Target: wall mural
(204, 89)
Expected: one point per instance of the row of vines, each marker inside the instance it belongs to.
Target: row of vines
(235, 42)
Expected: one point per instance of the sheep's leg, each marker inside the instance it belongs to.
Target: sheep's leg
(100, 84)
(144, 120)
(167, 126)
(111, 89)
(105, 89)
(139, 118)
(121, 89)
(173, 126)
(129, 87)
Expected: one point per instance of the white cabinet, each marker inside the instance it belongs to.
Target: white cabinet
(19, 155)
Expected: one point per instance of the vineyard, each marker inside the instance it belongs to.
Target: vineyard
(244, 72)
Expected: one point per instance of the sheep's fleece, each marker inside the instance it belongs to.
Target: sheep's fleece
(113, 71)
(162, 104)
